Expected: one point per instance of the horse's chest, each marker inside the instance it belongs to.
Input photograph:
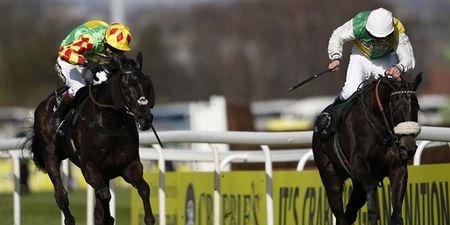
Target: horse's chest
(111, 158)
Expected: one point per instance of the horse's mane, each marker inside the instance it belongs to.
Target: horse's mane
(386, 85)
(372, 82)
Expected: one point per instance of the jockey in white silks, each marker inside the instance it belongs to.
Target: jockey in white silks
(380, 47)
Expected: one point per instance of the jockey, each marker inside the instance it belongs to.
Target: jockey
(380, 47)
(75, 60)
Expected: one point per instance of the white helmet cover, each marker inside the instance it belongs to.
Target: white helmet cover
(380, 23)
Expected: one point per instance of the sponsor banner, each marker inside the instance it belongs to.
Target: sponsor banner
(299, 198)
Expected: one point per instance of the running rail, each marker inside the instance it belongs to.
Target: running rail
(10, 148)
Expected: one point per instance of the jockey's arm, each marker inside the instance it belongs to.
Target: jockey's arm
(405, 54)
(338, 38)
(73, 53)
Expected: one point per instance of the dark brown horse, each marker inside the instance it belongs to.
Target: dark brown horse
(374, 141)
(102, 140)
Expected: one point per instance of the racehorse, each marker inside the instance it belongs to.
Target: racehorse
(103, 139)
(374, 141)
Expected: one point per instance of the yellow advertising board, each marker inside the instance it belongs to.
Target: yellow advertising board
(298, 197)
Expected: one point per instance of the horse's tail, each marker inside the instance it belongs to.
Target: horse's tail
(33, 146)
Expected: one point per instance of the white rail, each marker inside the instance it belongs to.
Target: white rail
(263, 139)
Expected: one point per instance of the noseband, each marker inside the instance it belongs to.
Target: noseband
(403, 128)
(141, 101)
(407, 127)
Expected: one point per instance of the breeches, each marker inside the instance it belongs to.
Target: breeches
(76, 76)
(361, 68)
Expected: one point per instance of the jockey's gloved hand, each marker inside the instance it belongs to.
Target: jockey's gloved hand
(93, 67)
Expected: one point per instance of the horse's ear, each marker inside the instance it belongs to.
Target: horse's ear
(417, 80)
(118, 60)
(139, 60)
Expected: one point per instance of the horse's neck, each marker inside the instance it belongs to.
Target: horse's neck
(371, 105)
(104, 94)
(112, 92)
(105, 109)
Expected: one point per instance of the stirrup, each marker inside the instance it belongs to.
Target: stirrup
(322, 124)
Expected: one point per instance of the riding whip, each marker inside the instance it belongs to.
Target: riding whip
(157, 137)
(309, 79)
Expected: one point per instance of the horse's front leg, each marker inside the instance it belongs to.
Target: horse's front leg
(331, 181)
(133, 174)
(372, 203)
(94, 178)
(399, 179)
(361, 173)
(357, 200)
(102, 212)
(52, 165)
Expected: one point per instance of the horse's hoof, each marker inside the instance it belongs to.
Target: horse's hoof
(109, 221)
(69, 221)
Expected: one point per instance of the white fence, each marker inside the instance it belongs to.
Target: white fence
(220, 159)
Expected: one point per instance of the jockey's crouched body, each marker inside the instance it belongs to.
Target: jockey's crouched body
(76, 62)
(380, 47)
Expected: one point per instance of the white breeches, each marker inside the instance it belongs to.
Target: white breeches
(75, 76)
(360, 68)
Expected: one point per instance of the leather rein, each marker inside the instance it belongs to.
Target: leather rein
(101, 105)
(388, 126)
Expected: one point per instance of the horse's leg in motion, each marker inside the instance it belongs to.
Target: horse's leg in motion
(102, 212)
(133, 174)
(357, 200)
(333, 185)
(52, 164)
(361, 174)
(398, 179)
(101, 186)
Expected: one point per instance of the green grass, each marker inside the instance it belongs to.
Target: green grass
(41, 208)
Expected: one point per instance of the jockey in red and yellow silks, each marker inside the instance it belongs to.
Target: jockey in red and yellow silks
(94, 37)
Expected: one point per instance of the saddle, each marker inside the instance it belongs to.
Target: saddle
(329, 120)
(73, 115)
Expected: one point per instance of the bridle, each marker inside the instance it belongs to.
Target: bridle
(98, 104)
(394, 132)
(110, 106)
(140, 101)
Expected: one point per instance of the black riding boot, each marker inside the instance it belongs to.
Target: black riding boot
(63, 108)
(324, 120)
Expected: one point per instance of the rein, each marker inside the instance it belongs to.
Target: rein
(368, 113)
(101, 105)
(91, 96)
(381, 108)
(386, 124)
(401, 128)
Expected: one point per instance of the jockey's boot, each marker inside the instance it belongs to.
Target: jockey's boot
(63, 108)
(324, 119)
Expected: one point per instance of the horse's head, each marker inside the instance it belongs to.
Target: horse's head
(402, 114)
(133, 90)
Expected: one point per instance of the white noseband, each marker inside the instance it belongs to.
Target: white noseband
(408, 127)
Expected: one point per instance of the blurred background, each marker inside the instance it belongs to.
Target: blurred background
(248, 51)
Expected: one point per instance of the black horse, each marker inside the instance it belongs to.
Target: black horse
(103, 139)
(373, 141)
